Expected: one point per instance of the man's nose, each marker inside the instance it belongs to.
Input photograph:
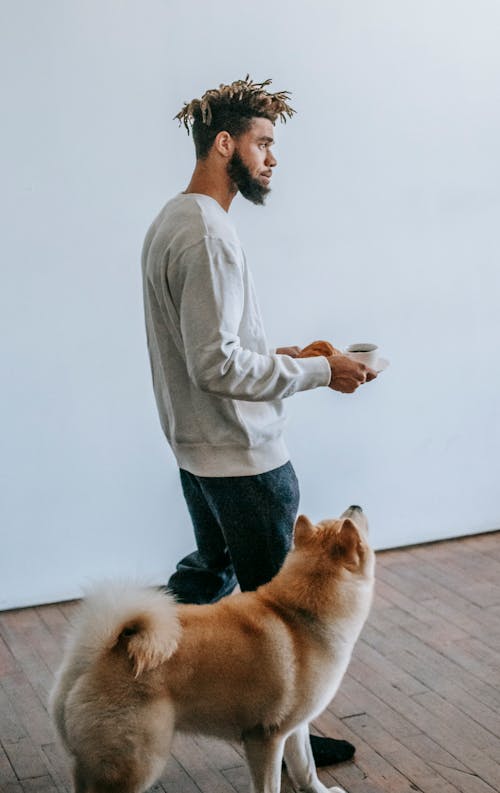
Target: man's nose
(271, 159)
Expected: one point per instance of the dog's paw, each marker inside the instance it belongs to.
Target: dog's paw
(336, 790)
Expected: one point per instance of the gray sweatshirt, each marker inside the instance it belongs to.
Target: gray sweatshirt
(218, 389)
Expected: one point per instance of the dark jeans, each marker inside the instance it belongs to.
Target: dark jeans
(243, 527)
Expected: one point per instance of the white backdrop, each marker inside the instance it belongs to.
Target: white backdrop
(383, 225)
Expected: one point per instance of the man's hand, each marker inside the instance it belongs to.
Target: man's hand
(291, 351)
(347, 374)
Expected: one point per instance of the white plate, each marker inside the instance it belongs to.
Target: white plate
(381, 365)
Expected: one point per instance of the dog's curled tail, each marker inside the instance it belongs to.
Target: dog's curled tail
(144, 619)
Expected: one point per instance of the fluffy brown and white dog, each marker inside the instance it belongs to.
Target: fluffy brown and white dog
(256, 666)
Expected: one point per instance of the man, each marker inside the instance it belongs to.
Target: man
(218, 388)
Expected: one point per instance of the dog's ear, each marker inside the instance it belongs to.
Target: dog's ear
(304, 530)
(348, 542)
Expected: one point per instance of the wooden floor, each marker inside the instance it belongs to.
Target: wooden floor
(421, 699)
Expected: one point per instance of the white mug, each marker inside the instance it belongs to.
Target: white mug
(364, 353)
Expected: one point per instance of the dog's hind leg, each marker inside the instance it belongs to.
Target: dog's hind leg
(299, 763)
(79, 783)
(264, 754)
(89, 783)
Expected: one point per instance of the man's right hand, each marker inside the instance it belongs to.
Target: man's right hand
(347, 374)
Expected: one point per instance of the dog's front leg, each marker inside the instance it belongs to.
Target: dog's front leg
(300, 764)
(264, 755)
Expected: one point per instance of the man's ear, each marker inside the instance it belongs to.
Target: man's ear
(348, 542)
(224, 144)
(304, 530)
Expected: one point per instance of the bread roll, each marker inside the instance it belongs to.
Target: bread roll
(318, 348)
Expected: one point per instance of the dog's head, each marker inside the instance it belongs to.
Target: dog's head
(344, 540)
(334, 562)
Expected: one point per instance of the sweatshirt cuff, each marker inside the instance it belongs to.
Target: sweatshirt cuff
(315, 372)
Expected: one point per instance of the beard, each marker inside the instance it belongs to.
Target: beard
(249, 187)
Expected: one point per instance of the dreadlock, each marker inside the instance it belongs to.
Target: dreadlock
(231, 108)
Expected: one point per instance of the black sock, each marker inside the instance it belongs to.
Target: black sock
(328, 751)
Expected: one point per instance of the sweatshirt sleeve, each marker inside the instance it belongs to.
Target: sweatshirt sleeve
(210, 294)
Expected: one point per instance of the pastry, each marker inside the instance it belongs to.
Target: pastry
(319, 348)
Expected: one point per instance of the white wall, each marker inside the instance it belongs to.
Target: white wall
(383, 225)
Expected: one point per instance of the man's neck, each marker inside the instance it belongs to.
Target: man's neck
(217, 186)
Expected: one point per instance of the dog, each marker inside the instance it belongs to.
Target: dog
(256, 666)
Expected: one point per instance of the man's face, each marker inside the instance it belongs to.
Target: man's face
(250, 167)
